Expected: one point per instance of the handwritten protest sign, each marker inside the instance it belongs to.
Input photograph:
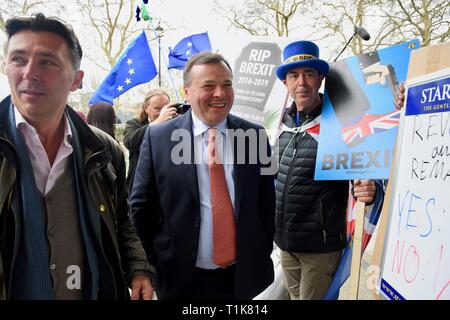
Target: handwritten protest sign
(416, 263)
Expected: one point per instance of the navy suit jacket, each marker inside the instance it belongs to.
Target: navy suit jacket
(165, 211)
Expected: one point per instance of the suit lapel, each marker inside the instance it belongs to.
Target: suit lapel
(189, 169)
(239, 176)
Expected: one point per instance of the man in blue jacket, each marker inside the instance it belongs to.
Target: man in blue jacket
(201, 202)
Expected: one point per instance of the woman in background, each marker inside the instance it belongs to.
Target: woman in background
(102, 116)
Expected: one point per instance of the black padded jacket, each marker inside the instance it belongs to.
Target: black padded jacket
(310, 215)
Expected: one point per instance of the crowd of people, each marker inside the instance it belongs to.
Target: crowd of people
(194, 217)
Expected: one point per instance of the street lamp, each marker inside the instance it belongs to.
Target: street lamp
(159, 33)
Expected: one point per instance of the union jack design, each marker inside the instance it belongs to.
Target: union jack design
(371, 216)
(370, 124)
(312, 128)
(370, 220)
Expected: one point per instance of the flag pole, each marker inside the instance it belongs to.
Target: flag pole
(165, 62)
(355, 271)
(171, 79)
(147, 17)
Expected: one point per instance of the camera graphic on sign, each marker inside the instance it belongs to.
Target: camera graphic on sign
(350, 102)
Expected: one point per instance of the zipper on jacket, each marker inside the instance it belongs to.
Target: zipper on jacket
(323, 222)
(285, 193)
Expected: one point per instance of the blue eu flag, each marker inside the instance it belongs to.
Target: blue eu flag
(186, 48)
(134, 66)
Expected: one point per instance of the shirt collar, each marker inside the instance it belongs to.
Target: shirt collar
(22, 122)
(303, 116)
(199, 127)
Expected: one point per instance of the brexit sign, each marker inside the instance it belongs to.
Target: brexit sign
(254, 79)
(359, 120)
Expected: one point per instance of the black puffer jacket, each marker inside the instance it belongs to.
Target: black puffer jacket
(310, 214)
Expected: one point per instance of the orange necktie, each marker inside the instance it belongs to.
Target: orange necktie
(224, 227)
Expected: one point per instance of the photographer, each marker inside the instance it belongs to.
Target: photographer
(155, 109)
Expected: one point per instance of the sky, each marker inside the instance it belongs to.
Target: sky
(183, 18)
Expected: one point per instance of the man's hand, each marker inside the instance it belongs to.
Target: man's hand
(167, 112)
(364, 190)
(141, 288)
(399, 98)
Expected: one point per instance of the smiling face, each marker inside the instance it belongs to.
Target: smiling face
(303, 85)
(210, 92)
(40, 74)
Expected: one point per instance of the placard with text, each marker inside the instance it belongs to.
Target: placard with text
(416, 262)
(359, 121)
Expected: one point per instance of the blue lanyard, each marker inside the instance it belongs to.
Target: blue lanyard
(297, 119)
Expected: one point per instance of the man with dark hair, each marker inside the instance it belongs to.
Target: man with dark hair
(64, 228)
(310, 218)
(207, 226)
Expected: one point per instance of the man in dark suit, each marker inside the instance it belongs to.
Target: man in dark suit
(202, 200)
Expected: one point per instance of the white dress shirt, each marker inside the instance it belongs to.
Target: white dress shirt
(205, 246)
(45, 175)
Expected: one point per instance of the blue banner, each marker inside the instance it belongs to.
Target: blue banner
(431, 97)
(359, 121)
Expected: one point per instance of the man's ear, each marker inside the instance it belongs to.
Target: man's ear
(77, 80)
(186, 91)
(3, 66)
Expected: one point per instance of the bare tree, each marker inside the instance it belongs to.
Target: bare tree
(338, 24)
(12, 8)
(2, 22)
(427, 20)
(262, 17)
(388, 21)
(114, 25)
